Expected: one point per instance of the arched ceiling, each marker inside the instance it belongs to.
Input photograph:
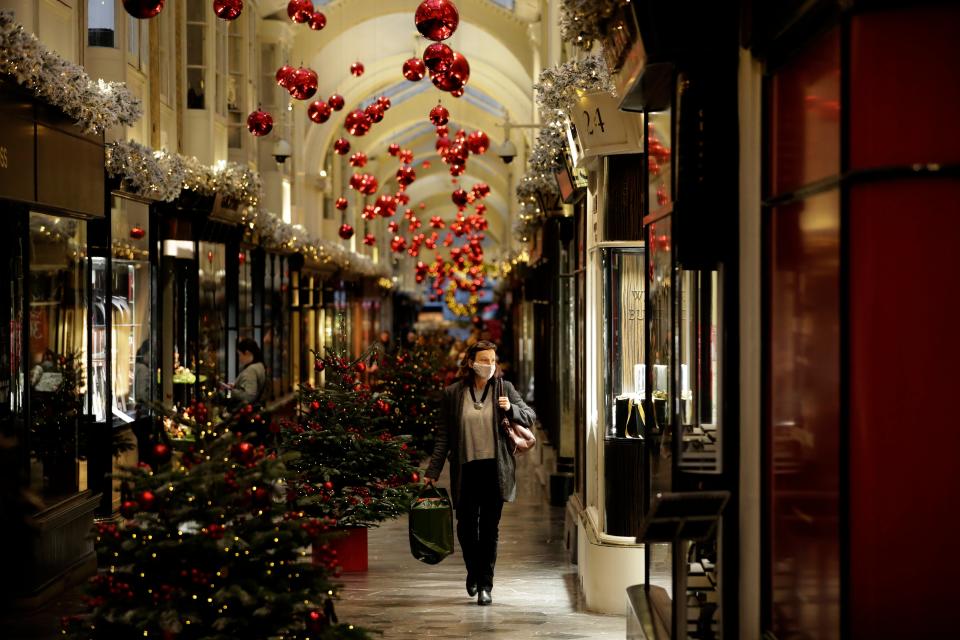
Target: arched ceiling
(381, 34)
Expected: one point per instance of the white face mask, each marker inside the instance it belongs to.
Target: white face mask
(485, 371)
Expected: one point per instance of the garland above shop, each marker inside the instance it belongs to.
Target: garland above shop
(582, 21)
(558, 86)
(153, 174)
(95, 104)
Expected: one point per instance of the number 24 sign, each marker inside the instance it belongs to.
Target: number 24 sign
(602, 128)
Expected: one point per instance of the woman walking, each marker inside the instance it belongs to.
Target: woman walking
(482, 468)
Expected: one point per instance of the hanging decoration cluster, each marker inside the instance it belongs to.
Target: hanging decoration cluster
(449, 70)
(303, 12)
(583, 21)
(95, 105)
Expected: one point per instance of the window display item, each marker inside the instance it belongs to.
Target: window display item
(629, 419)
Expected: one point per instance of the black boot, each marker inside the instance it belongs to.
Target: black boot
(471, 586)
(484, 598)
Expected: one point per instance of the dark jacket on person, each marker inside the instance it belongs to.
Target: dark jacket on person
(249, 386)
(449, 436)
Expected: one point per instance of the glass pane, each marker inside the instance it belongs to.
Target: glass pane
(196, 10)
(660, 325)
(57, 342)
(101, 25)
(213, 325)
(98, 349)
(196, 39)
(195, 89)
(133, 39)
(245, 304)
(659, 145)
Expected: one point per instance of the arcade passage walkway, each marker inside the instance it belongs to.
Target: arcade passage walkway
(535, 594)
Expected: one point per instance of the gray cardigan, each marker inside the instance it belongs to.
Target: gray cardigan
(249, 386)
(447, 444)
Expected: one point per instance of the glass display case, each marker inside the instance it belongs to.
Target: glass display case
(213, 312)
(57, 350)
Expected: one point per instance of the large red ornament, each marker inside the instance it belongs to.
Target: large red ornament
(437, 57)
(304, 83)
(454, 76)
(319, 111)
(336, 102)
(436, 19)
(439, 115)
(318, 21)
(478, 142)
(359, 159)
(285, 75)
(406, 175)
(414, 69)
(300, 11)
(341, 146)
(143, 9)
(346, 231)
(259, 123)
(341, 203)
(228, 9)
(357, 69)
(357, 123)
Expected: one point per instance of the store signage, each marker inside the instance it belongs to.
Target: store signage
(17, 163)
(602, 128)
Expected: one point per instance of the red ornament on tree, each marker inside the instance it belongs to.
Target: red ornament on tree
(137, 232)
(346, 231)
(439, 115)
(436, 19)
(437, 57)
(300, 11)
(318, 21)
(341, 146)
(285, 75)
(128, 508)
(357, 69)
(228, 9)
(336, 102)
(414, 69)
(161, 452)
(303, 84)
(143, 9)
(318, 366)
(146, 499)
(357, 123)
(319, 111)
(369, 239)
(259, 123)
(359, 159)
(341, 203)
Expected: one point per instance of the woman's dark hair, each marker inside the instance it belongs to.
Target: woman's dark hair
(250, 346)
(483, 345)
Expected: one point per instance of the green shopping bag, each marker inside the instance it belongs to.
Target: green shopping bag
(431, 525)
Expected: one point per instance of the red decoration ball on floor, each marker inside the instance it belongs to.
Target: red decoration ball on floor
(143, 9)
(319, 111)
(336, 102)
(259, 123)
(437, 57)
(346, 231)
(414, 69)
(439, 115)
(300, 11)
(341, 146)
(357, 69)
(357, 123)
(436, 19)
(228, 9)
(318, 21)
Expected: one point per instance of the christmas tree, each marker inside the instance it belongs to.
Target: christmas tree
(211, 547)
(413, 379)
(351, 468)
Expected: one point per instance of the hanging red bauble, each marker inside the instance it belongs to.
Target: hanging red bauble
(455, 75)
(456, 93)
(369, 239)
(425, 164)
(398, 244)
(384, 102)
(478, 142)
(357, 69)
(374, 111)
(481, 190)
(403, 198)
(393, 149)
(437, 57)
(439, 115)
(242, 257)
(385, 206)
(341, 203)
(300, 11)
(406, 175)
(457, 169)
(210, 257)
(336, 102)
(359, 159)
(143, 9)
(459, 197)
(228, 9)
(446, 82)
(368, 184)
(393, 227)
(318, 21)
(137, 232)
(368, 213)
(405, 156)
(319, 111)
(161, 452)
(357, 123)
(436, 19)
(318, 365)
(146, 499)
(341, 146)
(285, 76)
(304, 83)
(346, 231)
(414, 69)
(355, 181)
(128, 508)
(441, 145)
(259, 123)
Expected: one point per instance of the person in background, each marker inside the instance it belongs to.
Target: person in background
(249, 386)
(482, 467)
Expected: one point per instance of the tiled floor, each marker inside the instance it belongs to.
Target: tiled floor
(535, 594)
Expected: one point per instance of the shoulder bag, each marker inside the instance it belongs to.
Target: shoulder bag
(521, 438)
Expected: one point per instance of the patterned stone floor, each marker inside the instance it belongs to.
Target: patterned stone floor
(535, 593)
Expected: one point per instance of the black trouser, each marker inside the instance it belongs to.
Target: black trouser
(478, 519)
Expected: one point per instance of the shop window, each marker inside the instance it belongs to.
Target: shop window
(138, 43)
(57, 325)
(101, 23)
(660, 185)
(166, 45)
(212, 316)
(220, 67)
(196, 54)
(245, 316)
(236, 82)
